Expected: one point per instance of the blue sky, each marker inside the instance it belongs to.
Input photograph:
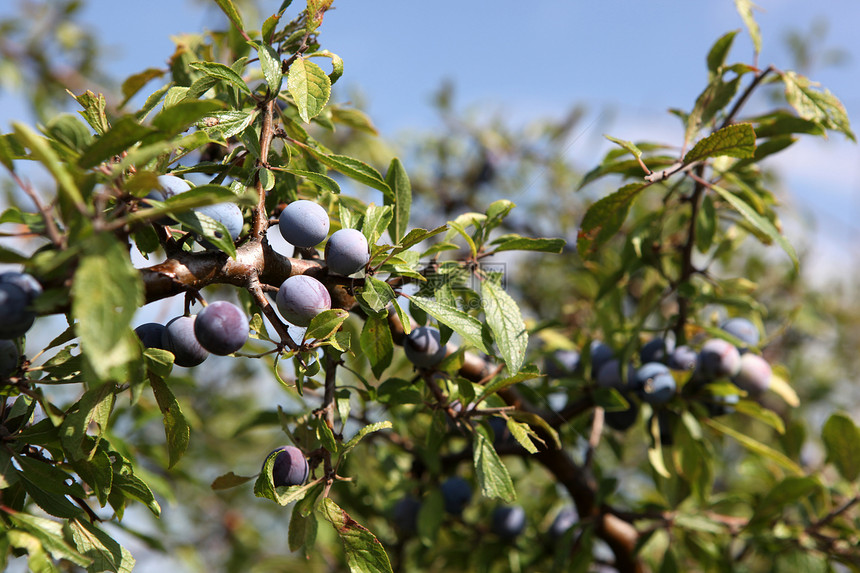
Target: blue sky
(537, 58)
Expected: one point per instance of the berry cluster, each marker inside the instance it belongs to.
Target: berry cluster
(220, 328)
(662, 365)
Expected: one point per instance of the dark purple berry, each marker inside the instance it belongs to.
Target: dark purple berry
(755, 374)
(600, 355)
(423, 347)
(742, 329)
(180, 340)
(346, 252)
(405, 514)
(561, 363)
(15, 316)
(719, 358)
(566, 518)
(304, 224)
(290, 467)
(655, 383)
(301, 298)
(621, 420)
(228, 214)
(656, 350)
(221, 328)
(508, 521)
(683, 358)
(456, 494)
(25, 282)
(9, 357)
(151, 334)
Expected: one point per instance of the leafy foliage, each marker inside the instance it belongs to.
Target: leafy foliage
(663, 251)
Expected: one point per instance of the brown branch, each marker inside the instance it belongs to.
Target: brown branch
(259, 223)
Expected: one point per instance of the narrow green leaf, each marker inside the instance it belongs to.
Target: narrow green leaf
(106, 292)
(223, 73)
(655, 452)
(229, 480)
(232, 13)
(135, 488)
(123, 134)
(506, 322)
(522, 434)
(320, 180)
(325, 324)
(268, 29)
(816, 105)
(354, 118)
(270, 64)
(492, 474)
(755, 446)
(354, 169)
(755, 410)
(467, 326)
(105, 552)
(177, 118)
(209, 229)
(310, 87)
(398, 181)
(376, 220)
(134, 83)
(176, 428)
(364, 552)
(369, 429)
(527, 373)
(758, 222)
(45, 154)
(736, 140)
(628, 145)
(841, 439)
(745, 9)
(518, 243)
(336, 63)
(376, 294)
(604, 218)
(376, 342)
(719, 51)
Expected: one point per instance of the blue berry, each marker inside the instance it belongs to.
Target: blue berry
(301, 298)
(346, 252)
(304, 223)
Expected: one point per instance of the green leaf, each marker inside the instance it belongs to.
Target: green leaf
(177, 118)
(50, 535)
(755, 410)
(376, 219)
(270, 64)
(105, 552)
(398, 180)
(493, 476)
(505, 320)
(628, 145)
(176, 428)
(758, 222)
(527, 373)
(521, 433)
(376, 294)
(310, 87)
(136, 488)
(269, 26)
(45, 154)
(325, 324)
(841, 439)
(791, 490)
(232, 13)
(719, 52)
(655, 452)
(135, 83)
(229, 480)
(336, 63)
(376, 342)
(431, 515)
(755, 446)
(91, 411)
(467, 326)
(812, 104)
(745, 9)
(227, 123)
(223, 73)
(302, 530)
(123, 134)
(518, 243)
(364, 552)
(604, 218)
(320, 180)
(354, 169)
(736, 140)
(94, 110)
(106, 292)
(369, 429)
